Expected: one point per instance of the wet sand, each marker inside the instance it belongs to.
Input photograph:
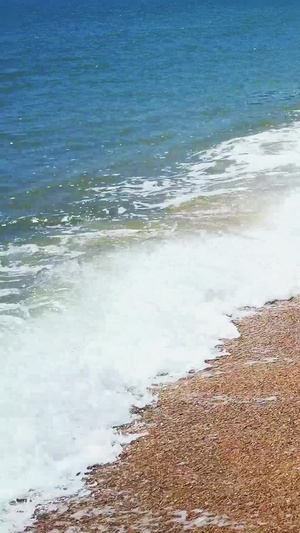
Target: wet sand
(222, 449)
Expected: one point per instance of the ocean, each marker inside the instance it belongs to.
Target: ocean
(149, 191)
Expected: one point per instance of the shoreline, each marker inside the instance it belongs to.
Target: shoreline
(222, 448)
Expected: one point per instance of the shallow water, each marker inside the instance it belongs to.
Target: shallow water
(149, 189)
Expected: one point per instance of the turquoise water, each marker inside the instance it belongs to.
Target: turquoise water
(150, 173)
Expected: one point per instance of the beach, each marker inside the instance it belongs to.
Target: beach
(221, 450)
(149, 198)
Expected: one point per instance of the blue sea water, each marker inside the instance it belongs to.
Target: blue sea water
(98, 92)
(140, 140)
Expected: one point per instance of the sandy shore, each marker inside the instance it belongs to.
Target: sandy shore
(222, 450)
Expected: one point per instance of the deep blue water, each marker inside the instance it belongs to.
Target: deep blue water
(95, 93)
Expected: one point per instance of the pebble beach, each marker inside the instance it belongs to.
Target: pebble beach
(218, 450)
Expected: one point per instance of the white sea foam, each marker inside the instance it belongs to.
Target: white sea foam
(68, 376)
(270, 158)
(8, 292)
